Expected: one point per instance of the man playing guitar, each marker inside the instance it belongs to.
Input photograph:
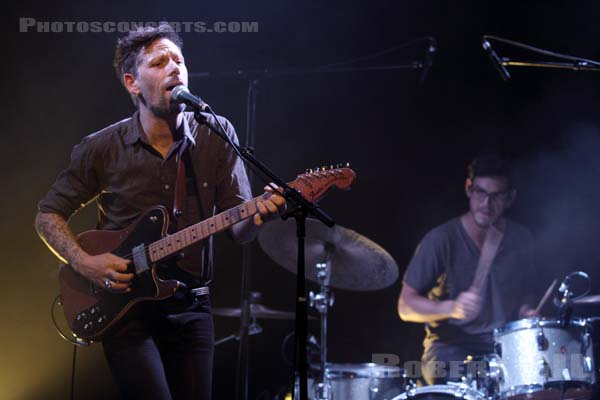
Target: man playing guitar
(163, 349)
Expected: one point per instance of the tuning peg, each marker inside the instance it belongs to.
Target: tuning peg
(323, 168)
(347, 165)
(309, 171)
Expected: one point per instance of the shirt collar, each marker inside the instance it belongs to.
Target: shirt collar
(134, 133)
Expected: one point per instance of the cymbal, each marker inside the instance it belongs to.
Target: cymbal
(356, 263)
(593, 299)
(258, 311)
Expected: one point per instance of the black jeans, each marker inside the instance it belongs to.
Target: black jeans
(164, 351)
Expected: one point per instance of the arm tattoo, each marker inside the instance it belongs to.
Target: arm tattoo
(55, 233)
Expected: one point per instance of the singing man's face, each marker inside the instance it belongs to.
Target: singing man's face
(160, 67)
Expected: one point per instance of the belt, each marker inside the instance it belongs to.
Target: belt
(200, 291)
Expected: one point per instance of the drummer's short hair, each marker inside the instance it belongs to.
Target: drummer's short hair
(490, 164)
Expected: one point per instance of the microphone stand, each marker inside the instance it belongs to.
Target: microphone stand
(302, 208)
(571, 63)
(574, 66)
(254, 75)
(241, 377)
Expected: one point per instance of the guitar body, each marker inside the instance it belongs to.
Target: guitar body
(90, 311)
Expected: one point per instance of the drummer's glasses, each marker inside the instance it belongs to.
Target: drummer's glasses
(480, 194)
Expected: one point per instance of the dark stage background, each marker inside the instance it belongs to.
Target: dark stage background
(409, 144)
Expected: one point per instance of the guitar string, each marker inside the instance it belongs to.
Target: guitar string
(129, 256)
(147, 250)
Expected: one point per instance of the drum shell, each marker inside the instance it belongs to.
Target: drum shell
(534, 353)
(361, 382)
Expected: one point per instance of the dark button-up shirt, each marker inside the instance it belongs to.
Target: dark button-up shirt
(118, 169)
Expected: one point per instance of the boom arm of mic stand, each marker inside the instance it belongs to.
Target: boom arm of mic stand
(287, 192)
(576, 66)
(288, 72)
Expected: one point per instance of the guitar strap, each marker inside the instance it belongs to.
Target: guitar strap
(187, 199)
(180, 189)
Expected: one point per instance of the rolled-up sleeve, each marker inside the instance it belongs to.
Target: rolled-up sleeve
(75, 186)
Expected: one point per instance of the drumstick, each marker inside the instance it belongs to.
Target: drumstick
(546, 297)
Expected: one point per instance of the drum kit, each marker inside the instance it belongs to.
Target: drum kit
(534, 358)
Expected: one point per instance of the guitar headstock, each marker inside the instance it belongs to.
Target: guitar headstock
(315, 182)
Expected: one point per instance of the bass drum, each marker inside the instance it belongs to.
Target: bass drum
(451, 391)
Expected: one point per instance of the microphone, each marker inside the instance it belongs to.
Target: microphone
(181, 94)
(428, 60)
(495, 60)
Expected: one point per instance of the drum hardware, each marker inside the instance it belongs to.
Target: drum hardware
(542, 342)
(321, 302)
(565, 303)
(338, 258)
(594, 299)
(257, 311)
(450, 391)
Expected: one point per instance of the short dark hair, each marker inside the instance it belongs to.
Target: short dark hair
(130, 46)
(490, 165)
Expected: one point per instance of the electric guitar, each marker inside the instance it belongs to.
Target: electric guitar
(91, 311)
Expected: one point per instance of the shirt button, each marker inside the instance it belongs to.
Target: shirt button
(167, 187)
(205, 185)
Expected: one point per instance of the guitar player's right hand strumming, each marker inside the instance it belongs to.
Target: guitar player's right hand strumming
(105, 268)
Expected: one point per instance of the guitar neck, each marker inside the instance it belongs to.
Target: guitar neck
(174, 243)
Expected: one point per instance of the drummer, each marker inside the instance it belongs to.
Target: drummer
(438, 284)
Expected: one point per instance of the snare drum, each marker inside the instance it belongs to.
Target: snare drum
(542, 359)
(451, 391)
(361, 382)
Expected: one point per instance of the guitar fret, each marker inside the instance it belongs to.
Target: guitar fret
(227, 218)
(177, 237)
(235, 214)
(188, 238)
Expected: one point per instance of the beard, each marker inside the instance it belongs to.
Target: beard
(163, 108)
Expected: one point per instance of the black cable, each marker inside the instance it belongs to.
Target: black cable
(75, 342)
(73, 372)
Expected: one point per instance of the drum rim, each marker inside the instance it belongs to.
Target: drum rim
(531, 323)
(451, 388)
(539, 387)
(363, 370)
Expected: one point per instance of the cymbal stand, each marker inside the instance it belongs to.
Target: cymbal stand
(321, 302)
(253, 329)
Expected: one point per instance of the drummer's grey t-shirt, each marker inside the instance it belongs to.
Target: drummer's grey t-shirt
(444, 265)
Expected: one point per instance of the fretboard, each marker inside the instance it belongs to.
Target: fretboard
(174, 243)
